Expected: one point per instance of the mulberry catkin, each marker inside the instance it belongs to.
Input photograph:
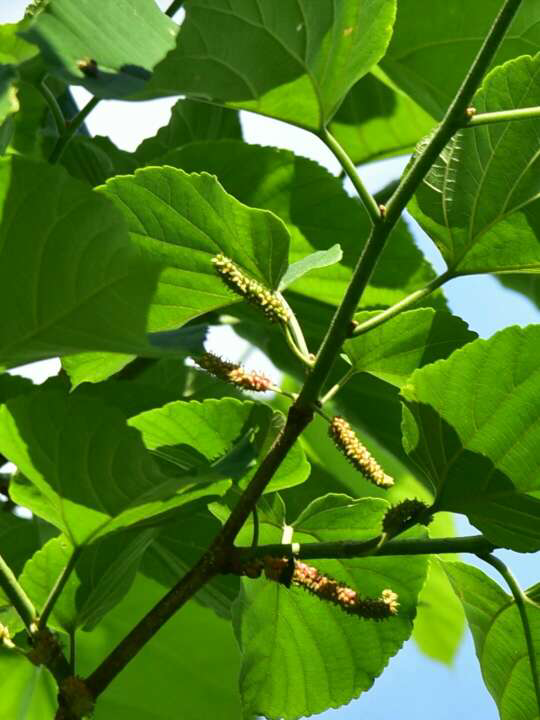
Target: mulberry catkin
(345, 439)
(345, 597)
(404, 512)
(235, 374)
(250, 289)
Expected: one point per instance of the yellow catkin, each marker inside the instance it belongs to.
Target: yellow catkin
(346, 440)
(250, 289)
(235, 374)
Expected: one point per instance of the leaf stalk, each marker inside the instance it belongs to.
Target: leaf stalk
(521, 601)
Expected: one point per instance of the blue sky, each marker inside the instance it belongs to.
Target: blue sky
(413, 687)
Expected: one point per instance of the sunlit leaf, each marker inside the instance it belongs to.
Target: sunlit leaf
(472, 425)
(295, 63)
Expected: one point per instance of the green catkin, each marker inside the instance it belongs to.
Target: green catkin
(346, 440)
(232, 373)
(250, 290)
(404, 512)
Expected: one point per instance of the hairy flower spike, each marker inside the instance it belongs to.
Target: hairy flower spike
(345, 439)
(251, 290)
(407, 510)
(280, 570)
(346, 598)
(235, 374)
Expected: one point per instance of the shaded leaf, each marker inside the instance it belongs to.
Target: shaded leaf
(179, 545)
(96, 367)
(102, 576)
(84, 470)
(318, 214)
(186, 220)
(480, 201)
(142, 385)
(19, 540)
(440, 623)
(190, 121)
(174, 670)
(287, 636)
(377, 120)
(499, 640)
(296, 64)
(472, 425)
(238, 432)
(86, 43)
(414, 338)
(65, 303)
(455, 31)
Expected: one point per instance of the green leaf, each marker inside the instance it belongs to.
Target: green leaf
(440, 623)
(211, 427)
(472, 424)
(19, 540)
(318, 214)
(174, 669)
(102, 576)
(93, 367)
(190, 121)
(296, 65)
(84, 470)
(499, 640)
(377, 120)
(13, 49)
(455, 31)
(186, 220)
(479, 202)
(86, 43)
(65, 303)
(524, 283)
(96, 367)
(392, 351)
(180, 544)
(214, 428)
(85, 160)
(302, 656)
(8, 95)
(294, 469)
(29, 692)
(314, 261)
(142, 385)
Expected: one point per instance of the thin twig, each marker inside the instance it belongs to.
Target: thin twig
(348, 166)
(402, 305)
(502, 116)
(351, 372)
(71, 129)
(54, 107)
(349, 549)
(58, 587)
(521, 601)
(16, 595)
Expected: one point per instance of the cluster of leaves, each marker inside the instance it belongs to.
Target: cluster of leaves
(132, 458)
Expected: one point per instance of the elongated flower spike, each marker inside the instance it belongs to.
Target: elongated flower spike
(232, 373)
(250, 289)
(289, 572)
(346, 440)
